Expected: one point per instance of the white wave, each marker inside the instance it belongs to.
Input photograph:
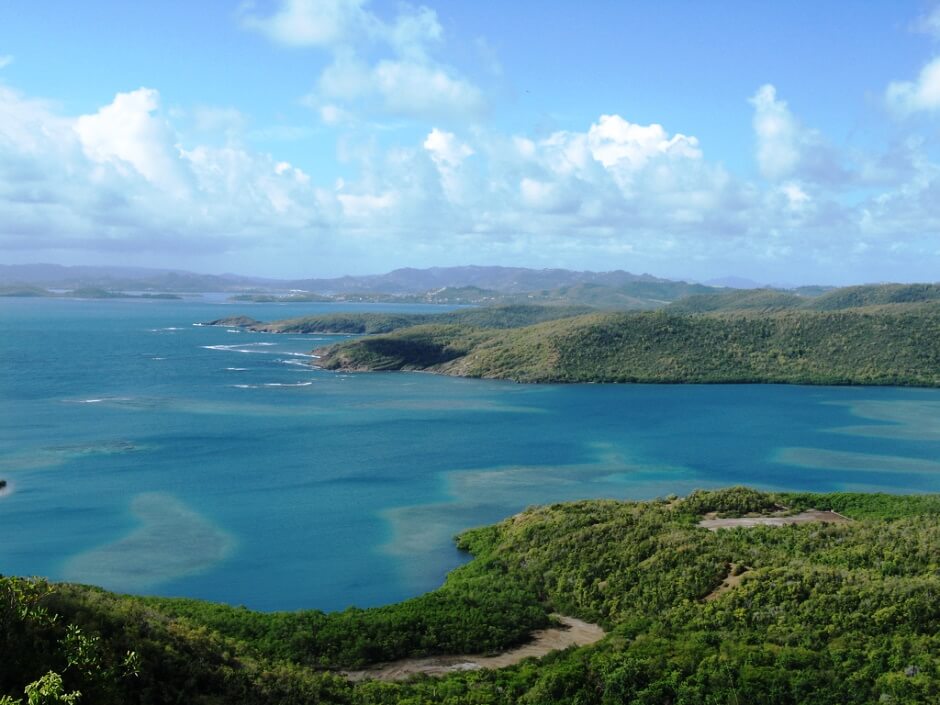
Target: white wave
(232, 330)
(288, 384)
(234, 348)
(158, 358)
(244, 386)
(96, 400)
(295, 363)
(237, 369)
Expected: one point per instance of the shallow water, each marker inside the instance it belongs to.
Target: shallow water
(149, 455)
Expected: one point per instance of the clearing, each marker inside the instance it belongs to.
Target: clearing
(806, 517)
(573, 632)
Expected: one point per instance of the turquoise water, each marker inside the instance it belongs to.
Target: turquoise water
(148, 455)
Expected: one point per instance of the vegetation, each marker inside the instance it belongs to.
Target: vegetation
(374, 323)
(739, 300)
(808, 298)
(824, 614)
(897, 345)
(23, 291)
(294, 297)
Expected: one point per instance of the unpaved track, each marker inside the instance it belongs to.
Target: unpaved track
(574, 632)
(782, 520)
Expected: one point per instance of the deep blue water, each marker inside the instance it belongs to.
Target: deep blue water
(150, 455)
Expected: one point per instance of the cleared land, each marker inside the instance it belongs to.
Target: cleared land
(573, 632)
(778, 520)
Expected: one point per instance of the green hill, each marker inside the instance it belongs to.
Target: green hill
(738, 300)
(888, 345)
(496, 317)
(815, 614)
(809, 298)
(874, 295)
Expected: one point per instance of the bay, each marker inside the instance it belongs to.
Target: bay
(150, 455)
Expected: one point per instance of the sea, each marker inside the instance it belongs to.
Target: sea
(149, 454)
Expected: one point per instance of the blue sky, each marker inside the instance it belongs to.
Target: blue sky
(787, 142)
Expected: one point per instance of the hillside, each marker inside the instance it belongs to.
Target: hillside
(476, 283)
(820, 614)
(372, 323)
(808, 298)
(887, 345)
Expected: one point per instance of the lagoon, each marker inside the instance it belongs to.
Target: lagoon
(150, 455)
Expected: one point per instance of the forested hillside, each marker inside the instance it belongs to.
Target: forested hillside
(820, 614)
(897, 345)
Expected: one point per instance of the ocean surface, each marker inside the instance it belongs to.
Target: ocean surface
(150, 455)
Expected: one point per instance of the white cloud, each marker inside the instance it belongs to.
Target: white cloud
(922, 94)
(778, 135)
(317, 23)
(365, 206)
(448, 154)
(118, 179)
(126, 133)
(407, 81)
(5, 60)
(445, 149)
(614, 141)
(786, 149)
(615, 193)
(414, 89)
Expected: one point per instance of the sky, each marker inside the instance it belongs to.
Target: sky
(792, 143)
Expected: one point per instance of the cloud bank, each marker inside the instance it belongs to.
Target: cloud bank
(134, 176)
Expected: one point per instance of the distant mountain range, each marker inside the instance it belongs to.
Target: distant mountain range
(57, 276)
(504, 280)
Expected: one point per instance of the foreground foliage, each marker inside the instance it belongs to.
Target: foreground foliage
(824, 614)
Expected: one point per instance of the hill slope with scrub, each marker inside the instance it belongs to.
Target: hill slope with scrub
(817, 613)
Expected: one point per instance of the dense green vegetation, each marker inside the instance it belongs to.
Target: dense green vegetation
(739, 300)
(374, 323)
(808, 298)
(838, 614)
(897, 345)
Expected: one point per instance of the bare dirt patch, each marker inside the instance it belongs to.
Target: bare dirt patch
(731, 581)
(812, 515)
(573, 632)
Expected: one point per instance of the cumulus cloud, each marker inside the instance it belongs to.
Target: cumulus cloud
(125, 177)
(128, 135)
(119, 178)
(786, 148)
(921, 94)
(378, 65)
